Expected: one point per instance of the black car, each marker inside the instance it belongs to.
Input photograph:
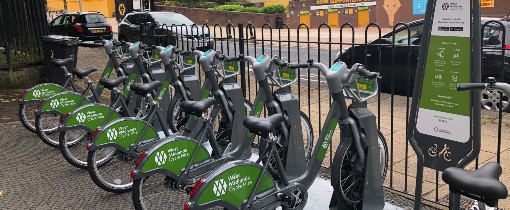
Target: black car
(491, 58)
(130, 29)
(87, 26)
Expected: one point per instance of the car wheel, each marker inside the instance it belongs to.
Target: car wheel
(493, 100)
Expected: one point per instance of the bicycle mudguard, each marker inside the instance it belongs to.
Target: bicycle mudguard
(62, 103)
(40, 92)
(231, 186)
(171, 156)
(89, 117)
(122, 134)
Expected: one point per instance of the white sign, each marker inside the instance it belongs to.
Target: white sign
(452, 18)
(339, 6)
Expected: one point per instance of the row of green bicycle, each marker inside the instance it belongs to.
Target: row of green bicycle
(114, 134)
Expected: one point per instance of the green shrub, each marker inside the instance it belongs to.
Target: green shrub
(208, 4)
(273, 9)
(251, 9)
(229, 7)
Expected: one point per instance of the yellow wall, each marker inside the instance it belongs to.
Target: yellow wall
(106, 7)
(55, 5)
(285, 3)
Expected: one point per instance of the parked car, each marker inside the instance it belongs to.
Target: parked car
(130, 29)
(87, 26)
(491, 58)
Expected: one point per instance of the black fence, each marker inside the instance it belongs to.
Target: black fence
(22, 24)
(391, 51)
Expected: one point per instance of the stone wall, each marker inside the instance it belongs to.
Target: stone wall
(200, 16)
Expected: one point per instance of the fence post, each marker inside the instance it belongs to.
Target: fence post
(242, 66)
(6, 40)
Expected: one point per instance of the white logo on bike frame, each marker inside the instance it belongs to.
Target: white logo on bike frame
(36, 93)
(160, 158)
(220, 187)
(111, 134)
(81, 117)
(54, 103)
(445, 153)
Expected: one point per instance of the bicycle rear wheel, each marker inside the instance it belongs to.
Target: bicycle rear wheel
(46, 126)
(114, 175)
(156, 192)
(76, 153)
(27, 116)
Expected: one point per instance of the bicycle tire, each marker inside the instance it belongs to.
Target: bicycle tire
(72, 158)
(22, 110)
(101, 181)
(282, 146)
(173, 123)
(339, 164)
(44, 134)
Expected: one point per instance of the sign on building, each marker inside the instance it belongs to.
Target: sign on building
(487, 3)
(419, 7)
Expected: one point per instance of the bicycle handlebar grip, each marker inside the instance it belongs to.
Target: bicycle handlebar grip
(470, 86)
(228, 59)
(366, 73)
(299, 65)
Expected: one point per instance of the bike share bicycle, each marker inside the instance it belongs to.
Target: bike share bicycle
(50, 110)
(132, 136)
(85, 119)
(248, 185)
(178, 162)
(483, 183)
(29, 100)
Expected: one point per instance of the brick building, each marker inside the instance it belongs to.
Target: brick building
(360, 13)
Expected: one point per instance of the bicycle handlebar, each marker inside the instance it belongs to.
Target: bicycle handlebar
(471, 86)
(236, 58)
(298, 65)
(366, 73)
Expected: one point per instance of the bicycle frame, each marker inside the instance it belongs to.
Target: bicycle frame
(251, 187)
(185, 170)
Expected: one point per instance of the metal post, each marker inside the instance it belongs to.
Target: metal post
(6, 39)
(242, 66)
(81, 8)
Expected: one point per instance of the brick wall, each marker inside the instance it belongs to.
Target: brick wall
(200, 16)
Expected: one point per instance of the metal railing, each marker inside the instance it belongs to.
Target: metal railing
(23, 23)
(394, 55)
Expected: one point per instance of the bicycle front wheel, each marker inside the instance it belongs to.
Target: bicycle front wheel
(345, 169)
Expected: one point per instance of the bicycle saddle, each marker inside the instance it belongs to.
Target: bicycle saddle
(144, 88)
(263, 126)
(197, 107)
(481, 184)
(80, 73)
(112, 83)
(61, 62)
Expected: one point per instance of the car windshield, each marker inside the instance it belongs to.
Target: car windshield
(492, 35)
(171, 18)
(96, 18)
